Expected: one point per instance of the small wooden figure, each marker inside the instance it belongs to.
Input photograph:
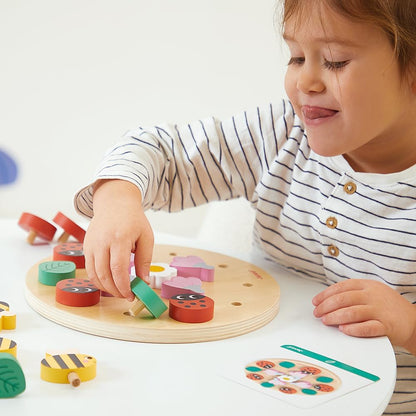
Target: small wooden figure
(9, 346)
(12, 379)
(181, 285)
(76, 292)
(146, 298)
(51, 272)
(70, 252)
(68, 368)
(36, 227)
(159, 273)
(191, 308)
(70, 228)
(193, 266)
(7, 318)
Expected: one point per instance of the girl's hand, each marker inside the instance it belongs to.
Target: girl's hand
(118, 228)
(367, 308)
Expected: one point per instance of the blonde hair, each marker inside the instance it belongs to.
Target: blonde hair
(397, 18)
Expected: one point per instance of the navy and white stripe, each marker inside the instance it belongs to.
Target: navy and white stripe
(263, 155)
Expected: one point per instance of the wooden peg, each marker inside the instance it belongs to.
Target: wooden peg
(68, 368)
(36, 227)
(70, 228)
(147, 298)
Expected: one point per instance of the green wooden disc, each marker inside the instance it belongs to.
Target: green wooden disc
(51, 272)
(148, 296)
(12, 379)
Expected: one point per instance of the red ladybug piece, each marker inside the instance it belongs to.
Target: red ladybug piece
(36, 227)
(70, 252)
(76, 292)
(191, 308)
(69, 227)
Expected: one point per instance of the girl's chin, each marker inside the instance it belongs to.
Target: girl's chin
(323, 149)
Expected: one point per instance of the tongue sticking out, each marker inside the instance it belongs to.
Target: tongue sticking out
(313, 113)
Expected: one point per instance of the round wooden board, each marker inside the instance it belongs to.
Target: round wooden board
(245, 296)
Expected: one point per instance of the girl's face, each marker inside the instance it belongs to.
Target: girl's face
(344, 83)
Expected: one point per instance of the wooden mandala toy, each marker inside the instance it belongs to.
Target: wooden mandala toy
(181, 285)
(68, 368)
(191, 308)
(51, 272)
(70, 228)
(12, 379)
(146, 298)
(7, 318)
(159, 273)
(292, 377)
(193, 266)
(245, 297)
(36, 227)
(70, 252)
(77, 292)
(8, 346)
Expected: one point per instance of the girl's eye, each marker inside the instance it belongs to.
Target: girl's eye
(296, 61)
(334, 66)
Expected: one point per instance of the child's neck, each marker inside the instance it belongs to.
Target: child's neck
(395, 152)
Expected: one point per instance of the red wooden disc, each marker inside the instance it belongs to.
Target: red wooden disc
(70, 252)
(69, 226)
(191, 308)
(43, 228)
(77, 292)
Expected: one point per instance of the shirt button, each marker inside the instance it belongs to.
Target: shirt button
(350, 187)
(333, 251)
(331, 222)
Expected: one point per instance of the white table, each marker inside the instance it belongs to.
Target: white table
(177, 379)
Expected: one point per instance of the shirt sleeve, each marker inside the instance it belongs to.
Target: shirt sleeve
(181, 166)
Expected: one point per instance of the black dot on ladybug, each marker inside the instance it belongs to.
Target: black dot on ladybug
(193, 303)
(187, 306)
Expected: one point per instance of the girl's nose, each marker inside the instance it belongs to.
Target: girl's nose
(310, 80)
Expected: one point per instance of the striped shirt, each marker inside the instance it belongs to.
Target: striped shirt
(315, 215)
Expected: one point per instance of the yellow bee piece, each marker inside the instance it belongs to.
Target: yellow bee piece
(8, 345)
(68, 368)
(7, 318)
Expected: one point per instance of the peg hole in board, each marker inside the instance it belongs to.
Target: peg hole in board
(248, 284)
(236, 303)
(223, 266)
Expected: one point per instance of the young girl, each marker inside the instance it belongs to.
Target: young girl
(331, 173)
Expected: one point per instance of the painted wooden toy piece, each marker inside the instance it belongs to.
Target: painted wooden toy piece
(159, 273)
(70, 252)
(7, 318)
(12, 379)
(181, 285)
(146, 298)
(77, 292)
(36, 227)
(70, 228)
(193, 266)
(68, 368)
(51, 272)
(9, 346)
(191, 308)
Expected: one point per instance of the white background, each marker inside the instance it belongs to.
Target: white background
(76, 74)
